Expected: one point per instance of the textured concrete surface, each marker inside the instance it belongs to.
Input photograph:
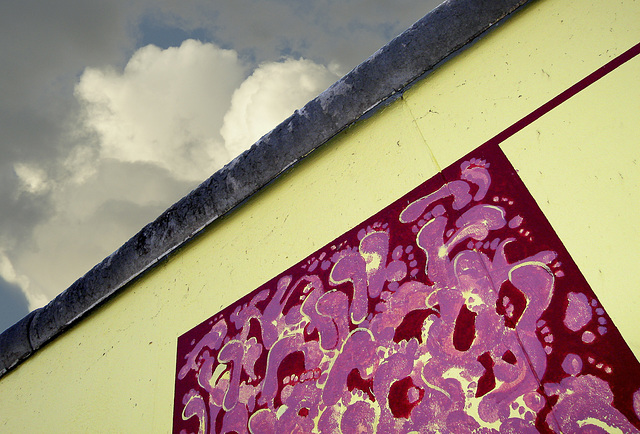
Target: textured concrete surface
(386, 73)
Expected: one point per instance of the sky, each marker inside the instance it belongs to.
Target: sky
(111, 111)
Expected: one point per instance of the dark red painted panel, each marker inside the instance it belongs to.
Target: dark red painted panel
(455, 307)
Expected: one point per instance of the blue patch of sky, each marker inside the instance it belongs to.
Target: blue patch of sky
(14, 305)
(152, 31)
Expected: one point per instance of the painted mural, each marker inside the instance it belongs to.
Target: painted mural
(455, 309)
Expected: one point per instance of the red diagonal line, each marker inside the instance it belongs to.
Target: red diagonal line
(559, 99)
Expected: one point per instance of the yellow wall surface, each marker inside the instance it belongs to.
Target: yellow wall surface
(115, 371)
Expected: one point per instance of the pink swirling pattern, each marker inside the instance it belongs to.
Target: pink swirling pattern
(455, 309)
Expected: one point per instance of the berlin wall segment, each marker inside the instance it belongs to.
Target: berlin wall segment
(438, 35)
(456, 307)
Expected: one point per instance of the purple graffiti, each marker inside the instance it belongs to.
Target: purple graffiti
(455, 309)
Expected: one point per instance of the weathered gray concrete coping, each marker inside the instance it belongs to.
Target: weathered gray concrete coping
(438, 35)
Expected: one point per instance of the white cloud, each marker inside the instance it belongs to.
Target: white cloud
(151, 131)
(9, 274)
(169, 120)
(268, 97)
(80, 164)
(168, 106)
(33, 178)
(91, 219)
(165, 108)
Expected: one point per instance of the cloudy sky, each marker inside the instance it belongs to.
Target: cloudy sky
(110, 111)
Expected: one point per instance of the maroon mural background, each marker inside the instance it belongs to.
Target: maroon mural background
(455, 309)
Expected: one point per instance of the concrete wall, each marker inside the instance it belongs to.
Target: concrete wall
(115, 370)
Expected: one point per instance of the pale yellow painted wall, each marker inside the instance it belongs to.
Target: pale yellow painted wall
(581, 161)
(114, 372)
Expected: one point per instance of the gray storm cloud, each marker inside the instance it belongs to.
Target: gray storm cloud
(167, 121)
(99, 134)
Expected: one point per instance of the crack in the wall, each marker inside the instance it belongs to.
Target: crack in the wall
(424, 140)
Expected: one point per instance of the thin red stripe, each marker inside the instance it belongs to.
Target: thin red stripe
(559, 99)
